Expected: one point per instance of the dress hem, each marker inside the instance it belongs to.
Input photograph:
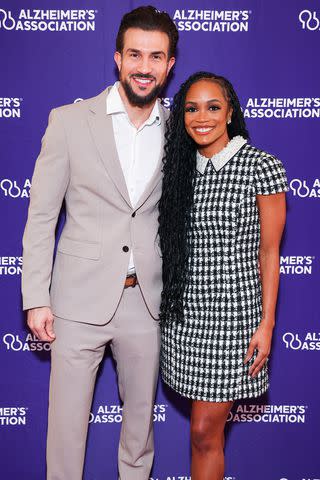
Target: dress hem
(204, 398)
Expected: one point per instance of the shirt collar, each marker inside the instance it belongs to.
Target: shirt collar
(220, 159)
(155, 116)
(114, 101)
(116, 105)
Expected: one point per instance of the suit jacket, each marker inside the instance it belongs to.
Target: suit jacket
(79, 163)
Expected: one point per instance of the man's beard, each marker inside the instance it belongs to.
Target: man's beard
(139, 100)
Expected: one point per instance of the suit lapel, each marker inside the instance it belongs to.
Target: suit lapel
(156, 177)
(102, 131)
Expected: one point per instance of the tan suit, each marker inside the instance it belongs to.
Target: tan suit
(78, 163)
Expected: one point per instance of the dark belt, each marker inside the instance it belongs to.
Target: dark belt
(131, 281)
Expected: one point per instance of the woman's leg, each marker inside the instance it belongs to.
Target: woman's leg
(208, 420)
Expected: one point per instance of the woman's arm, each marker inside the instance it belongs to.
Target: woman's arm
(272, 212)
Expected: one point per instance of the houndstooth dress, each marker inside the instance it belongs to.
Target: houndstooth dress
(202, 357)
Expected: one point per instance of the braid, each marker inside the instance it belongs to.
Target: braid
(179, 170)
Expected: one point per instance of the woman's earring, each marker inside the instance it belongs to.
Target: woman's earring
(229, 121)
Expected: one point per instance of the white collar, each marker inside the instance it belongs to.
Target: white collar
(220, 159)
(116, 105)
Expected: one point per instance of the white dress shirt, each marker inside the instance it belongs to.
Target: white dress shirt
(138, 148)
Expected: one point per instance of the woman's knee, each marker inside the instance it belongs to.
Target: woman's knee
(205, 437)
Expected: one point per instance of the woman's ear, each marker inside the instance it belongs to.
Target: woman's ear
(230, 112)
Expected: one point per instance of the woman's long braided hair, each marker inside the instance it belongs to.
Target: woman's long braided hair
(176, 202)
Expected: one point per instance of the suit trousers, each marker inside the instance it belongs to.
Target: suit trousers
(76, 353)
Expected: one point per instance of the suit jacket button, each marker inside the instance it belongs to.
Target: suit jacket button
(125, 248)
(133, 215)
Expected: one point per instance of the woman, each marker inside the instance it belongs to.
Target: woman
(222, 214)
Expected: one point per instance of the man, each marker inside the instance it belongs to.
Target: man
(104, 157)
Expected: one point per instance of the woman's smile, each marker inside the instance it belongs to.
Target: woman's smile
(202, 130)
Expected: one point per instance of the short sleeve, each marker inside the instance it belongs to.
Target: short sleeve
(270, 176)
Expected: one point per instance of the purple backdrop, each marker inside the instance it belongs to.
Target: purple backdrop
(62, 52)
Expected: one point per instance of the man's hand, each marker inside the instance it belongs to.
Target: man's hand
(40, 322)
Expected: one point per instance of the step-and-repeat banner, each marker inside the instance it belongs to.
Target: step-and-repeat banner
(61, 51)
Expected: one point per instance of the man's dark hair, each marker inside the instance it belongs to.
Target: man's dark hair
(148, 19)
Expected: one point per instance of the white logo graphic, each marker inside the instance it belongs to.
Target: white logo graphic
(304, 478)
(10, 265)
(166, 101)
(30, 343)
(309, 20)
(10, 107)
(13, 416)
(310, 341)
(301, 189)
(268, 414)
(172, 477)
(296, 265)
(212, 20)
(10, 188)
(299, 107)
(113, 414)
(6, 20)
(49, 20)
(182, 477)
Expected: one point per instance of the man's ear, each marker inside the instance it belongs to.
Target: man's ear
(171, 62)
(117, 59)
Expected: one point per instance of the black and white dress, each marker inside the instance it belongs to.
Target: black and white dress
(202, 357)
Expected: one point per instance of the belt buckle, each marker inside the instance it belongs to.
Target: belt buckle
(134, 280)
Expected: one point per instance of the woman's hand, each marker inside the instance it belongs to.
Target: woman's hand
(261, 341)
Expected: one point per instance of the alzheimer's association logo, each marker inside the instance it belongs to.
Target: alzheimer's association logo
(304, 478)
(295, 341)
(305, 189)
(13, 416)
(268, 413)
(212, 20)
(10, 107)
(10, 265)
(113, 414)
(296, 264)
(309, 20)
(183, 477)
(7, 22)
(29, 343)
(282, 107)
(13, 189)
(75, 20)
